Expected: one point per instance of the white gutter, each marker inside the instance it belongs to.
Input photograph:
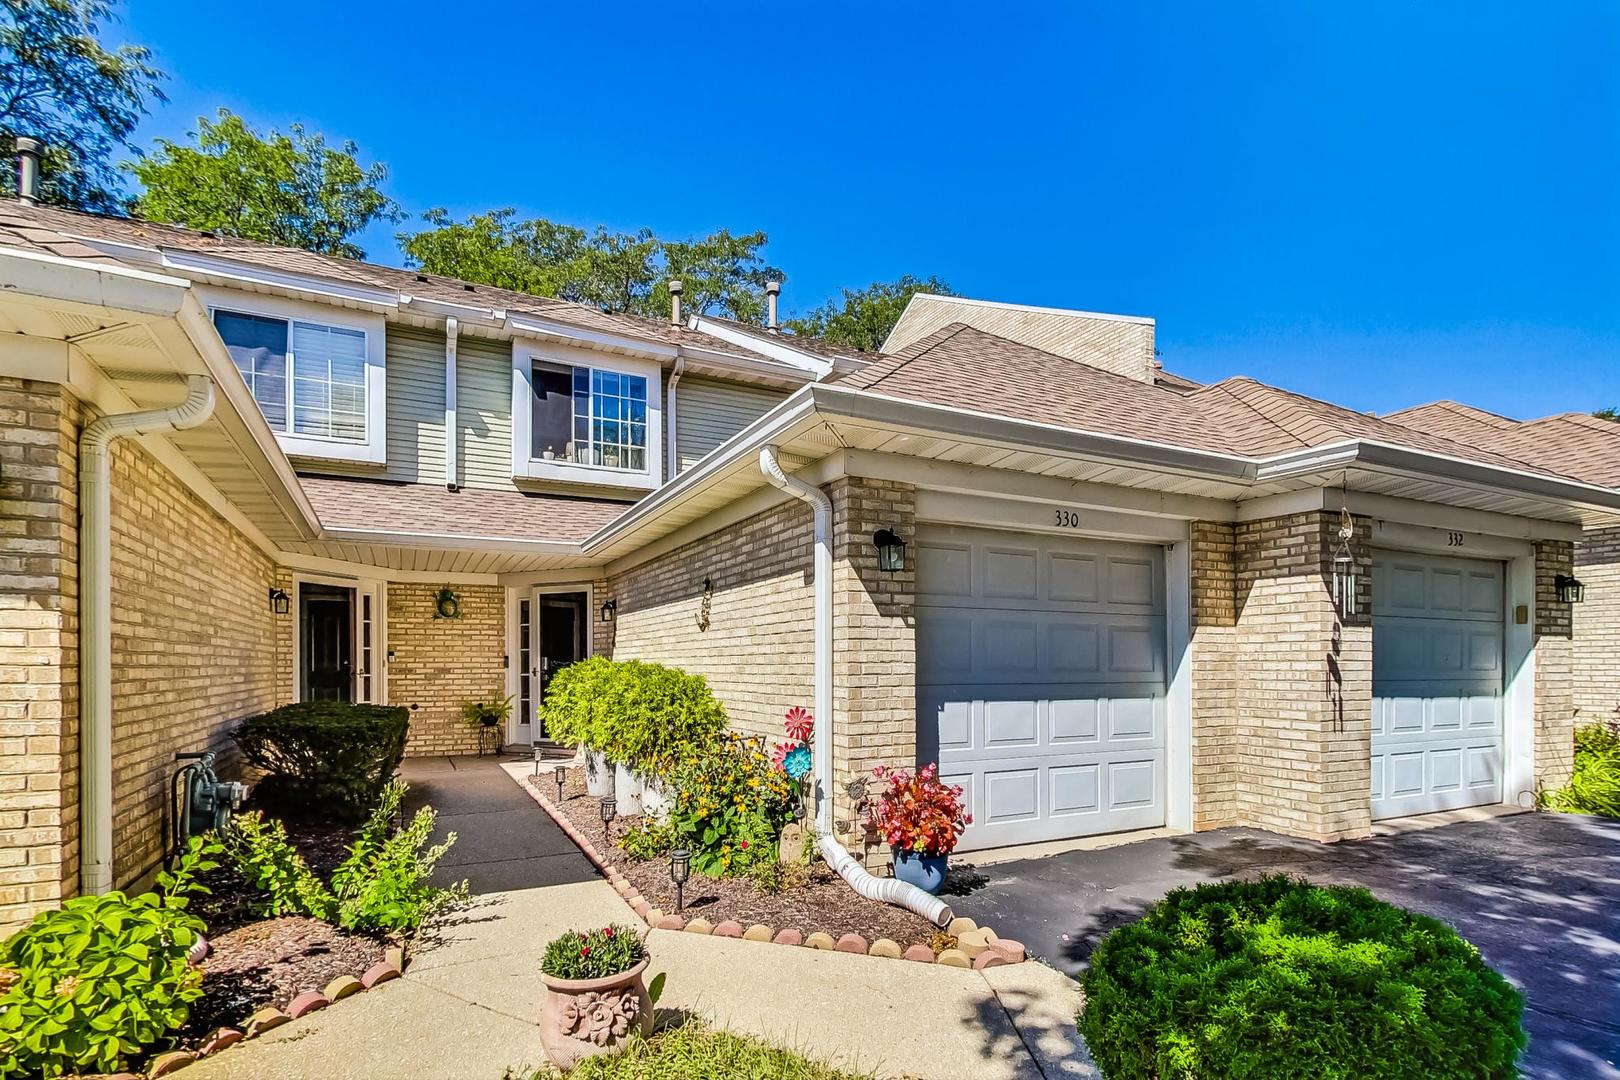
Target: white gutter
(95, 618)
(452, 473)
(888, 890)
(671, 462)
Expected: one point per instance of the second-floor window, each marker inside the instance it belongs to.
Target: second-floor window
(589, 416)
(308, 378)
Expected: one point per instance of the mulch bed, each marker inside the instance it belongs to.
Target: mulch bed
(822, 902)
(254, 962)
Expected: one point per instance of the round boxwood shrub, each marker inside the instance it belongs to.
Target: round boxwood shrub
(634, 712)
(1279, 977)
(324, 758)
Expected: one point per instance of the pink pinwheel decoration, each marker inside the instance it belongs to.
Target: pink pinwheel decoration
(798, 724)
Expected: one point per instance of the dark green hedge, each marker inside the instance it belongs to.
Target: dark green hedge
(324, 758)
(1281, 978)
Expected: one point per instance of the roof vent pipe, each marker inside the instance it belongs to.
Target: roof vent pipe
(773, 289)
(675, 302)
(29, 154)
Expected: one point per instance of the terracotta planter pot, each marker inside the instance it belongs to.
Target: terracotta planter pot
(583, 1018)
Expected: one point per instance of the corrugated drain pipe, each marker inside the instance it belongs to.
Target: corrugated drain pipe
(95, 618)
(888, 890)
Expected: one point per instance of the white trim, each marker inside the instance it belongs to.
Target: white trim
(373, 449)
(1399, 536)
(1519, 685)
(452, 470)
(215, 266)
(74, 281)
(524, 466)
(777, 348)
(1178, 765)
(534, 592)
(319, 564)
(1047, 517)
(521, 324)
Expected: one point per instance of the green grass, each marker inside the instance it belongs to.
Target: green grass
(1594, 787)
(695, 1051)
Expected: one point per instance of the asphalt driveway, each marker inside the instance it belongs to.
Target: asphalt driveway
(1539, 894)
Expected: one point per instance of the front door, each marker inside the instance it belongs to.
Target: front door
(552, 634)
(327, 641)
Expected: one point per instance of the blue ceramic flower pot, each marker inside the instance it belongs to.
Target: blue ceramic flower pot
(927, 872)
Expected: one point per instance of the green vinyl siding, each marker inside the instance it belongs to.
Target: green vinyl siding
(415, 410)
(484, 412)
(708, 412)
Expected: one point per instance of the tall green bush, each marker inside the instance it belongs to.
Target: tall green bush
(102, 978)
(324, 758)
(1278, 977)
(638, 713)
(1594, 786)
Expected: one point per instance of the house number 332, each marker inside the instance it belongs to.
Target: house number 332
(1067, 519)
(1454, 539)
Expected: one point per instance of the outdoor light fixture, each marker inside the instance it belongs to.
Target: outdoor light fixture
(539, 752)
(680, 868)
(1344, 566)
(610, 609)
(1570, 590)
(607, 815)
(891, 550)
(560, 773)
(279, 601)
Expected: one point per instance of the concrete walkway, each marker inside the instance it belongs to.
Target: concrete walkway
(466, 1007)
(1538, 894)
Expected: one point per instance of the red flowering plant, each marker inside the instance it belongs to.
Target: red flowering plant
(593, 954)
(918, 812)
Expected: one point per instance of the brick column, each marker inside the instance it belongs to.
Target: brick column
(1213, 656)
(1597, 628)
(1303, 681)
(1555, 648)
(874, 633)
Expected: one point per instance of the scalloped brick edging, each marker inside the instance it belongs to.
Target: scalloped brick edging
(983, 947)
(269, 1017)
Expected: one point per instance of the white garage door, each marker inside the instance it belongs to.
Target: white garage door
(1437, 683)
(1041, 681)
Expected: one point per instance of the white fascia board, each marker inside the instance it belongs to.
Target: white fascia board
(531, 324)
(748, 365)
(445, 309)
(773, 347)
(89, 284)
(230, 270)
(950, 422)
(451, 541)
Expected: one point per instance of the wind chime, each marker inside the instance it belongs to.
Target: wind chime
(1344, 566)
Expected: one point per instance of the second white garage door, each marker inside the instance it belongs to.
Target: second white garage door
(1041, 681)
(1437, 683)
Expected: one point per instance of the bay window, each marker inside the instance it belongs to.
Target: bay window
(582, 417)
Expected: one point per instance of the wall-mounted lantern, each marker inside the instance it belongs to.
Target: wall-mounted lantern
(1344, 567)
(891, 551)
(1570, 590)
(280, 602)
(610, 609)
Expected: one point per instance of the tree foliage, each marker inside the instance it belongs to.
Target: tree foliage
(1607, 414)
(723, 274)
(292, 189)
(862, 318)
(60, 85)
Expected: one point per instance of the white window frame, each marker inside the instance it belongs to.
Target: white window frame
(377, 589)
(371, 450)
(526, 466)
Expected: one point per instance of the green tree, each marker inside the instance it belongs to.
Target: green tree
(862, 318)
(1607, 414)
(290, 189)
(60, 85)
(722, 274)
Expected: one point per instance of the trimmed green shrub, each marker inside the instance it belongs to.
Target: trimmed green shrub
(325, 758)
(1279, 977)
(637, 713)
(1594, 786)
(102, 978)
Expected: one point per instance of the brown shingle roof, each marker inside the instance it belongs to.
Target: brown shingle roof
(1451, 419)
(393, 506)
(1578, 444)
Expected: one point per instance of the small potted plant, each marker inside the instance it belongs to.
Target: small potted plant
(595, 999)
(922, 818)
(486, 713)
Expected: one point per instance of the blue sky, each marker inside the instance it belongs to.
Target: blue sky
(1379, 203)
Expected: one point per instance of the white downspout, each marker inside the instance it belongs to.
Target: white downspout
(95, 618)
(452, 470)
(672, 464)
(888, 890)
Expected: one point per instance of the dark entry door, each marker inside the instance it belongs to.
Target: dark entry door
(328, 641)
(562, 638)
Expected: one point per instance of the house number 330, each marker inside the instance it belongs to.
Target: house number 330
(1067, 519)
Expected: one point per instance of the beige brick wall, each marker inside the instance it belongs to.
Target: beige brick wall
(440, 663)
(1597, 628)
(193, 645)
(38, 648)
(874, 640)
(1216, 733)
(1303, 687)
(1555, 664)
(756, 652)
